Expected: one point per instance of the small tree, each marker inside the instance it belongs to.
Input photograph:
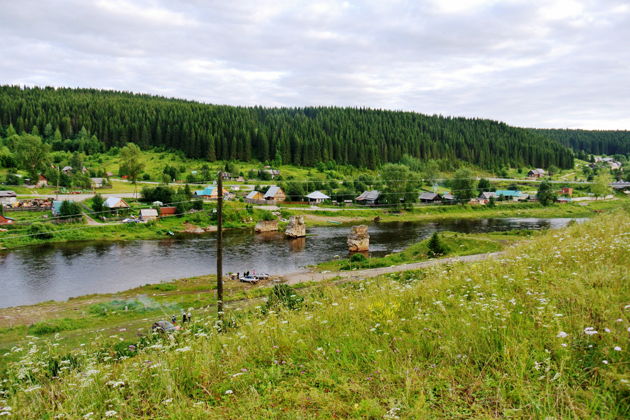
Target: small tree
(97, 203)
(492, 202)
(484, 185)
(436, 247)
(545, 194)
(601, 185)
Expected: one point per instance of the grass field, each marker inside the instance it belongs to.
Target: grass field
(541, 332)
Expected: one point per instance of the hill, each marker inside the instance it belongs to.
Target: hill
(299, 136)
(540, 332)
(597, 142)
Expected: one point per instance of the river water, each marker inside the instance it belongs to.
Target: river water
(59, 271)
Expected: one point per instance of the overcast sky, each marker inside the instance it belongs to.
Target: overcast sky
(535, 63)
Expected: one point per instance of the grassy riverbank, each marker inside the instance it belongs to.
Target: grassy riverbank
(456, 244)
(541, 332)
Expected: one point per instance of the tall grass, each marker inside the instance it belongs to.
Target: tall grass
(541, 332)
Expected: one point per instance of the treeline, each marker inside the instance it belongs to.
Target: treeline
(598, 142)
(299, 136)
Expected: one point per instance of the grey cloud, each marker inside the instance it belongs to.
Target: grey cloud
(532, 63)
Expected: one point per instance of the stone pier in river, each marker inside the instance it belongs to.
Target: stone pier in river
(266, 226)
(359, 239)
(296, 227)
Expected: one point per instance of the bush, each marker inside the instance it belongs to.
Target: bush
(40, 231)
(358, 258)
(436, 247)
(283, 295)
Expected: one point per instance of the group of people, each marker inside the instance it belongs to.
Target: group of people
(186, 317)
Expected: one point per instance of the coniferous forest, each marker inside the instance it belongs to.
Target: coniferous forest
(299, 136)
(598, 142)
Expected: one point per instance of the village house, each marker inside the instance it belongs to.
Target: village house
(115, 203)
(317, 197)
(448, 198)
(617, 186)
(510, 195)
(168, 211)
(566, 191)
(368, 198)
(486, 196)
(97, 182)
(211, 192)
(254, 197)
(8, 198)
(6, 220)
(66, 169)
(273, 172)
(430, 197)
(536, 173)
(147, 215)
(275, 193)
(42, 181)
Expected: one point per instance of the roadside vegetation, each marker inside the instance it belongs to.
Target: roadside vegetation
(540, 332)
(439, 245)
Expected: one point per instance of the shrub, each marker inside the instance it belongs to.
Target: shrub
(40, 231)
(358, 258)
(283, 295)
(436, 247)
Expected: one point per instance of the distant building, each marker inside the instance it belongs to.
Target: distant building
(448, 198)
(42, 181)
(275, 193)
(254, 197)
(368, 197)
(486, 195)
(97, 182)
(168, 211)
(617, 185)
(317, 197)
(148, 214)
(66, 169)
(536, 173)
(8, 198)
(211, 192)
(429, 197)
(510, 194)
(115, 203)
(567, 191)
(273, 172)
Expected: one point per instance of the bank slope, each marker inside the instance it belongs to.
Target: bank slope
(543, 331)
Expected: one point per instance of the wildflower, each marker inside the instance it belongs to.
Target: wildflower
(562, 334)
(590, 331)
(110, 413)
(563, 344)
(183, 349)
(617, 348)
(607, 330)
(167, 401)
(228, 392)
(88, 415)
(605, 362)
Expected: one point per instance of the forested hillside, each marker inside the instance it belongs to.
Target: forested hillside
(597, 142)
(300, 136)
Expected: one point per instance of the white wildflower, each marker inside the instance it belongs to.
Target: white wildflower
(183, 349)
(617, 348)
(228, 392)
(88, 415)
(605, 362)
(110, 413)
(590, 331)
(562, 334)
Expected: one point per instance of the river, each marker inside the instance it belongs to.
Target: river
(59, 271)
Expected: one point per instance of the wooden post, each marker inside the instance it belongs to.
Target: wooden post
(220, 250)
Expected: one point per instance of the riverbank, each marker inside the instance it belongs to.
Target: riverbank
(538, 332)
(83, 315)
(239, 216)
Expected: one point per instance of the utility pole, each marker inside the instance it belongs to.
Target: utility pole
(220, 250)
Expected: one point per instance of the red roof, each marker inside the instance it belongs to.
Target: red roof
(6, 220)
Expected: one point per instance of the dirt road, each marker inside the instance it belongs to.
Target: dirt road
(301, 277)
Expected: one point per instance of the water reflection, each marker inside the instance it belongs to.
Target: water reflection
(30, 275)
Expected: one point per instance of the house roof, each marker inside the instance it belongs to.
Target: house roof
(448, 196)
(8, 194)
(429, 196)
(508, 193)
(113, 202)
(253, 194)
(372, 195)
(272, 191)
(487, 195)
(538, 171)
(6, 220)
(67, 168)
(148, 212)
(618, 185)
(317, 195)
(210, 190)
